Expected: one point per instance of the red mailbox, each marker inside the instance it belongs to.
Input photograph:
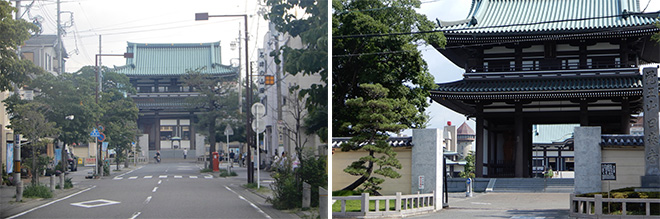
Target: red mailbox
(216, 162)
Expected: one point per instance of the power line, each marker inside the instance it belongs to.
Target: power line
(477, 28)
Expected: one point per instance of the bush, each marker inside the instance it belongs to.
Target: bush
(223, 173)
(345, 193)
(287, 188)
(205, 170)
(37, 191)
(286, 192)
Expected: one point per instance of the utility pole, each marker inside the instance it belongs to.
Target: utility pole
(240, 94)
(60, 59)
(17, 138)
(98, 90)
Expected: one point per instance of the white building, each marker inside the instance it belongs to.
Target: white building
(283, 111)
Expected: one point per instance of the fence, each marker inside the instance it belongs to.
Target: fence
(585, 207)
(404, 205)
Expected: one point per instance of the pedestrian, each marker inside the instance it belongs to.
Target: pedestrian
(185, 153)
(231, 157)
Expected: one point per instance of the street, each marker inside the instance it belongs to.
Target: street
(167, 190)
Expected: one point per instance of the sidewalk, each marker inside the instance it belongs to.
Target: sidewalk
(9, 206)
(265, 193)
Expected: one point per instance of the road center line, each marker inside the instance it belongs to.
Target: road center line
(155, 188)
(160, 181)
(253, 205)
(136, 214)
(49, 203)
(147, 200)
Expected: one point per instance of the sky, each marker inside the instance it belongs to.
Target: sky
(145, 21)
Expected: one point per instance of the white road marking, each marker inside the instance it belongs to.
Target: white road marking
(121, 175)
(253, 205)
(132, 177)
(155, 188)
(526, 217)
(50, 203)
(147, 200)
(135, 215)
(148, 177)
(162, 176)
(208, 177)
(118, 178)
(178, 177)
(193, 177)
(160, 181)
(95, 203)
(479, 203)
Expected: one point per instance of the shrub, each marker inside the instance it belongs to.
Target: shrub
(37, 191)
(223, 173)
(205, 170)
(286, 192)
(345, 193)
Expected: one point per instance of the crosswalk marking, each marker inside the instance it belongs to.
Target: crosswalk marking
(165, 177)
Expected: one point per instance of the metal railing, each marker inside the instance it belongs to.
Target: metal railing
(586, 207)
(404, 205)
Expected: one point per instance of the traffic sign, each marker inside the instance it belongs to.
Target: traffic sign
(229, 130)
(95, 133)
(607, 171)
(258, 110)
(101, 137)
(261, 123)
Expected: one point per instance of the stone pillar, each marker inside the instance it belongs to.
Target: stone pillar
(323, 202)
(427, 162)
(651, 178)
(306, 195)
(587, 160)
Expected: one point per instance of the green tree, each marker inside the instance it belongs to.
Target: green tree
(121, 113)
(28, 119)
(14, 70)
(392, 61)
(376, 114)
(468, 170)
(311, 59)
(217, 100)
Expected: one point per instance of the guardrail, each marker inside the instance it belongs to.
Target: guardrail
(585, 207)
(404, 205)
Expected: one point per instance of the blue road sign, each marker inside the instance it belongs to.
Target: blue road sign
(95, 133)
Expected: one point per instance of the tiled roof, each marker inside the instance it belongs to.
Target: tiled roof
(464, 129)
(162, 103)
(392, 141)
(43, 39)
(622, 140)
(506, 16)
(541, 85)
(174, 59)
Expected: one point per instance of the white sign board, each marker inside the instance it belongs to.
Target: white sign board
(420, 185)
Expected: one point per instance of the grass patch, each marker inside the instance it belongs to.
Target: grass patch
(253, 186)
(37, 191)
(223, 173)
(205, 170)
(356, 206)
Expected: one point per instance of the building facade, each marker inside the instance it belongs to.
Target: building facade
(165, 117)
(284, 111)
(574, 63)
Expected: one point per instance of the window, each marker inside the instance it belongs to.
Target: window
(185, 132)
(167, 132)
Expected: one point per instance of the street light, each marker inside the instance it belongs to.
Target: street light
(248, 90)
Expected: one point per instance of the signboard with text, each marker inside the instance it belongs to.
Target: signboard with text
(608, 171)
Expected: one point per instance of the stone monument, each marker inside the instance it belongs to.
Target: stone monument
(651, 178)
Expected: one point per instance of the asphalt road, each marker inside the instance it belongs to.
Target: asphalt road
(166, 190)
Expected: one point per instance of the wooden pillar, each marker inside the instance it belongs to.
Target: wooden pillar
(157, 130)
(560, 167)
(583, 55)
(518, 130)
(479, 147)
(584, 112)
(192, 131)
(528, 147)
(625, 116)
(492, 154)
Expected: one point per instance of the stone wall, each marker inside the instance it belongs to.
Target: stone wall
(587, 159)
